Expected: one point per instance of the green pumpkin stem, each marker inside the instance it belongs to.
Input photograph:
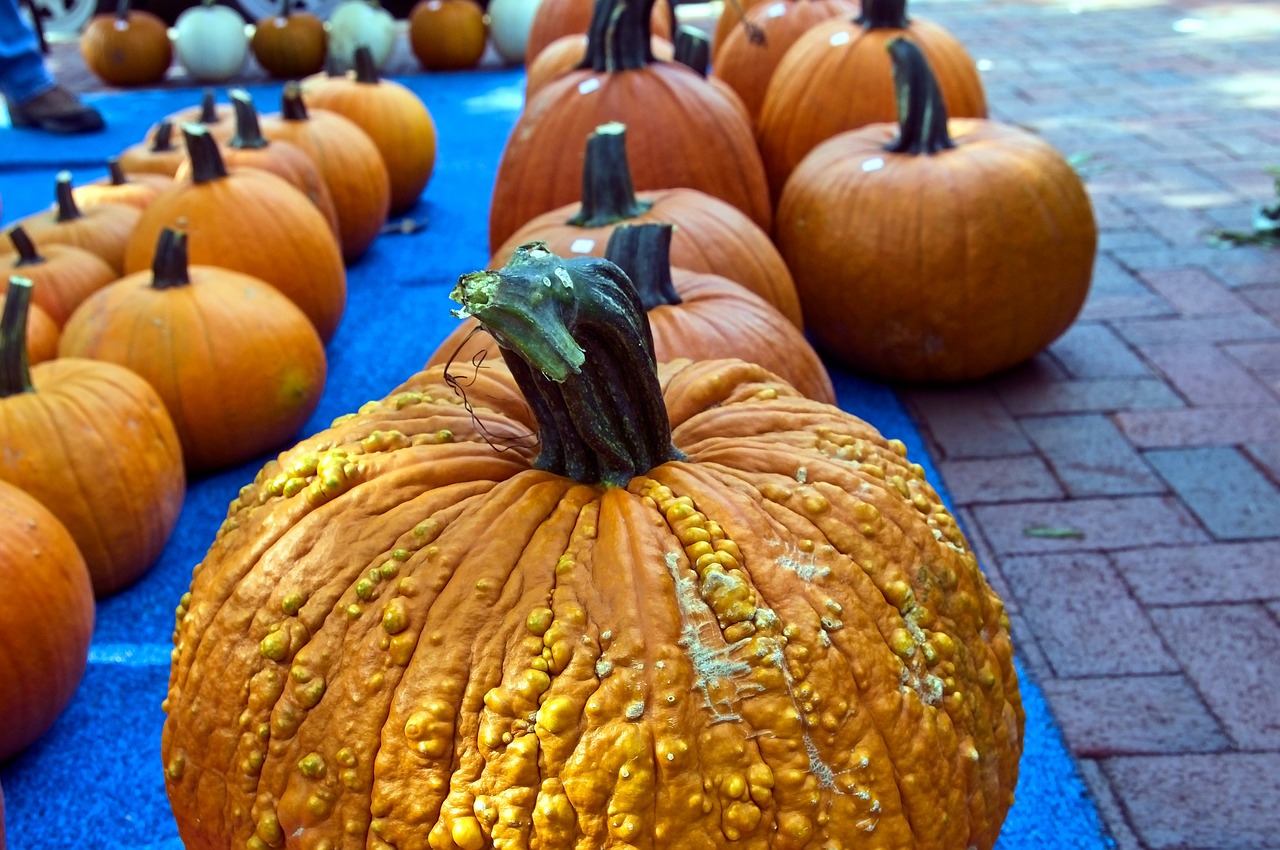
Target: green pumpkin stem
(162, 138)
(115, 172)
(28, 254)
(286, 8)
(619, 36)
(366, 68)
(66, 202)
(122, 9)
(15, 373)
(608, 195)
(209, 108)
(883, 14)
(292, 107)
(643, 252)
(922, 116)
(693, 49)
(202, 150)
(579, 347)
(169, 266)
(248, 135)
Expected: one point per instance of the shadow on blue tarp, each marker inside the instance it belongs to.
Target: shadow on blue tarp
(95, 780)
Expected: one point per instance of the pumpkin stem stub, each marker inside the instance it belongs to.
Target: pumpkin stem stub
(67, 208)
(292, 107)
(208, 108)
(693, 49)
(643, 252)
(922, 115)
(28, 254)
(883, 14)
(15, 373)
(582, 353)
(619, 36)
(162, 138)
(248, 134)
(366, 69)
(608, 195)
(169, 265)
(206, 159)
(115, 172)
(122, 10)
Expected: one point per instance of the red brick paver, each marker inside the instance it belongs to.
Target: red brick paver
(1146, 442)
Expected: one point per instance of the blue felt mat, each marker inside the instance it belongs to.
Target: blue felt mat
(95, 780)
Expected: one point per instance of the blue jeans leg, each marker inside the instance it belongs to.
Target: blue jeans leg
(23, 74)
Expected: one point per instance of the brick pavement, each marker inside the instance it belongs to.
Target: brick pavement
(1147, 439)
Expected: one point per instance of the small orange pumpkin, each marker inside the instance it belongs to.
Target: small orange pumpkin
(136, 190)
(238, 365)
(128, 48)
(218, 119)
(102, 228)
(447, 35)
(64, 275)
(291, 44)
(156, 155)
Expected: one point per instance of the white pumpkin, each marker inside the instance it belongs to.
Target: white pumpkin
(357, 22)
(509, 23)
(210, 42)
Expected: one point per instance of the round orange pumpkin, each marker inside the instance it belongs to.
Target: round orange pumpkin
(218, 119)
(64, 275)
(447, 35)
(395, 119)
(251, 221)
(92, 441)
(683, 607)
(290, 45)
(710, 235)
(837, 77)
(46, 621)
(157, 155)
(936, 250)
(101, 228)
(238, 365)
(128, 48)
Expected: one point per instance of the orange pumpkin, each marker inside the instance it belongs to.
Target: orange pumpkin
(395, 119)
(64, 275)
(683, 131)
(447, 35)
(157, 155)
(218, 119)
(710, 235)
(128, 48)
(251, 221)
(566, 53)
(136, 190)
(837, 77)
(46, 621)
(557, 18)
(92, 442)
(238, 365)
(732, 17)
(349, 161)
(936, 250)
(101, 228)
(685, 607)
(290, 45)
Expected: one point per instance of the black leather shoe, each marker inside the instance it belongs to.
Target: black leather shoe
(55, 111)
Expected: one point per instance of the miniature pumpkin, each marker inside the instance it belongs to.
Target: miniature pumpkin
(698, 315)
(565, 54)
(128, 48)
(557, 18)
(238, 365)
(134, 190)
(359, 23)
(837, 77)
(249, 148)
(64, 275)
(251, 221)
(746, 59)
(210, 41)
(447, 35)
(218, 119)
(47, 610)
(509, 24)
(92, 441)
(936, 250)
(156, 155)
(683, 131)
(684, 607)
(101, 228)
(291, 44)
(710, 235)
(348, 160)
(395, 119)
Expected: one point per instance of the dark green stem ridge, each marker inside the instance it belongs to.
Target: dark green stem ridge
(15, 373)
(208, 108)
(643, 252)
(366, 69)
(580, 349)
(162, 138)
(115, 172)
(66, 202)
(248, 135)
(619, 36)
(202, 150)
(608, 195)
(292, 107)
(693, 49)
(169, 265)
(884, 14)
(28, 254)
(922, 116)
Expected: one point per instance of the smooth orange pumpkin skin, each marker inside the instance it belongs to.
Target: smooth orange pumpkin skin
(47, 611)
(710, 236)
(291, 47)
(914, 272)
(42, 334)
(703, 141)
(808, 98)
(145, 158)
(138, 190)
(135, 52)
(447, 35)
(557, 18)
(591, 663)
(102, 229)
(565, 54)
(726, 23)
(67, 276)
(239, 366)
(95, 444)
(253, 222)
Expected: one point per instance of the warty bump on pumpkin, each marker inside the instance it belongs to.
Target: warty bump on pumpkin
(700, 612)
